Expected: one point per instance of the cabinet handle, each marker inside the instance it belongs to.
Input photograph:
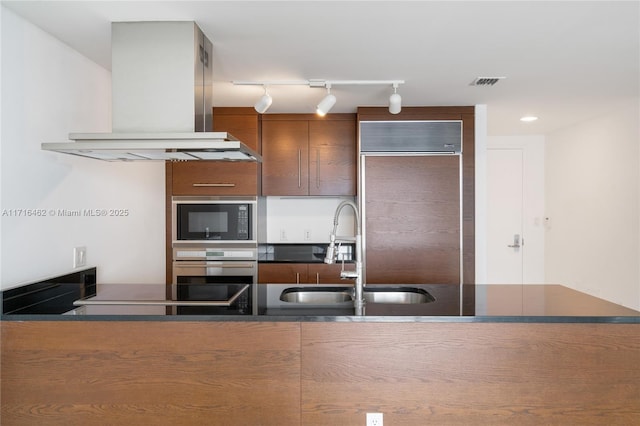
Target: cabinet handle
(318, 168)
(215, 185)
(297, 277)
(299, 168)
(317, 277)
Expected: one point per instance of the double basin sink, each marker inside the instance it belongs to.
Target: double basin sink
(372, 294)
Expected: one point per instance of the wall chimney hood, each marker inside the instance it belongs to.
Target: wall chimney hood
(162, 99)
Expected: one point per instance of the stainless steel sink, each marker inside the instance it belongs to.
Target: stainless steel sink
(373, 294)
(402, 295)
(317, 295)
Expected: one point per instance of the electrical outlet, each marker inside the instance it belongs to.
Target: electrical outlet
(79, 257)
(307, 235)
(374, 419)
(283, 235)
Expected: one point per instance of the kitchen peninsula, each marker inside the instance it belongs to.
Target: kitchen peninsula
(527, 356)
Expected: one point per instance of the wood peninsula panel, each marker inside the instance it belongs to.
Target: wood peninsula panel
(474, 373)
(153, 373)
(271, 373)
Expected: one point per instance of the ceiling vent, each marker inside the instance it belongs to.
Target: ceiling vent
(486, 81)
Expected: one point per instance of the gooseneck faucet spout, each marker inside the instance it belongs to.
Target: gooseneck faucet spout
(331, 255)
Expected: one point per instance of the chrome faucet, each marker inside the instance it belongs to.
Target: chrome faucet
(331, 256)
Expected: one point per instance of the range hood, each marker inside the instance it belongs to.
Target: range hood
(155, 146)
(162, 100)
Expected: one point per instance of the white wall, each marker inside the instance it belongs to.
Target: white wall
(592, 202)
(48, 91)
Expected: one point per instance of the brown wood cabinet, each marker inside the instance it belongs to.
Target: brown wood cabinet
(222, 177)
(419, 210)
(299, 273)
(319, 373)
(215, 177)
(308, 155)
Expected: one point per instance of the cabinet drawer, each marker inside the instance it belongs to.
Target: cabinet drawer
(282, 273)
(321, 273)
(300, 273)
(215, 178)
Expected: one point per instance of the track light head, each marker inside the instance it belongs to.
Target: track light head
(326, 104)
(263, 103)
(395, 101)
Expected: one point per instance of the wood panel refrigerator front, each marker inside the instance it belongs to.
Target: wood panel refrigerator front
(418, 208)
(412, 209)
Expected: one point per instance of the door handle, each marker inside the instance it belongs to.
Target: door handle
(516, 241)
(299, 168)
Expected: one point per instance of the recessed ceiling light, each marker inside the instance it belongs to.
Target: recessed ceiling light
(528, 118)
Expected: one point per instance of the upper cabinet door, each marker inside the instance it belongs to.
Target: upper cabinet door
(285, 150)
(242, 123)
(332, 157)
(305, 155)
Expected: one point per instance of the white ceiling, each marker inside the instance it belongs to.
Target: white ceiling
(564, 61)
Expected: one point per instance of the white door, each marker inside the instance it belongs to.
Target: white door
(505, 216)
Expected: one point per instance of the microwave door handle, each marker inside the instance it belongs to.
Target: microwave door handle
(228, 265)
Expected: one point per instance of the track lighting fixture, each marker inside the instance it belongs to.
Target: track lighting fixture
(395, 101)
(327, 103)
(263, 103)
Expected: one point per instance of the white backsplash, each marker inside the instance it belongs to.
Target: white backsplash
(306, 219)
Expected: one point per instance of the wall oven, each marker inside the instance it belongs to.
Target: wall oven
(215, 274)
(215, 254)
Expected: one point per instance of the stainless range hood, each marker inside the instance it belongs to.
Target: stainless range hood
(155, 146)
(162, 99)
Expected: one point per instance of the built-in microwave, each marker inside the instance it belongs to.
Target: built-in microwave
(214, 218)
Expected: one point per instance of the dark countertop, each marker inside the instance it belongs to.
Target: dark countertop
(301, 253)
(481, 303)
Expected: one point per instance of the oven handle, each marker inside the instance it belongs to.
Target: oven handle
(201, 264)
(229, 302)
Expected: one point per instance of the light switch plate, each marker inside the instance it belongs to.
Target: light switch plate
(79, 256)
